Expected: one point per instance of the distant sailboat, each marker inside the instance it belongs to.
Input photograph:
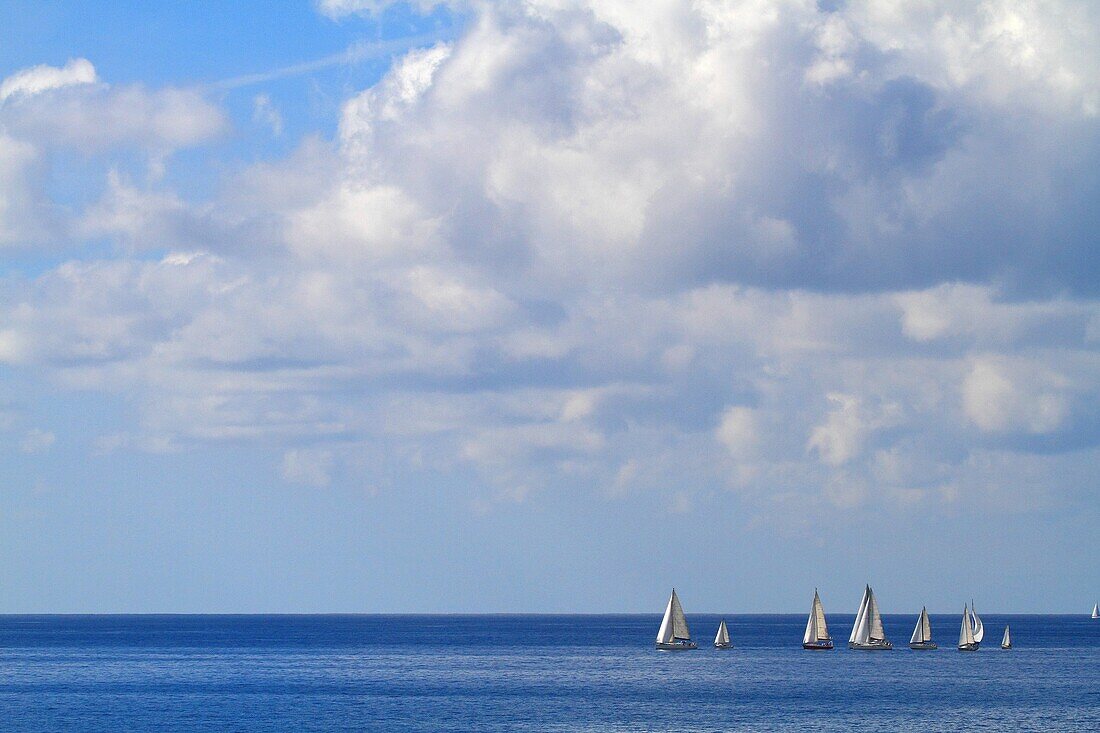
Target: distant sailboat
(1096, 610)
(976, 623)
(817, 633)
(922, 634)
(722, 638)
(966, 633)
(673, 634)
(867, 633)
(1006, 641)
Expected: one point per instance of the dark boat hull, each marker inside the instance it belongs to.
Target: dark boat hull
(923, 646)
(818, 646)
(968, 647)
(677, 646)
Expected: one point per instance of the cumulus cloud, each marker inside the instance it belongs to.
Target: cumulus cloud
(828, 257)
(46, 111)
(95, 117)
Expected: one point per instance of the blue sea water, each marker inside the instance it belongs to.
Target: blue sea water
(532, 673)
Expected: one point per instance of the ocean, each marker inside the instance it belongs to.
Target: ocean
(534, 673)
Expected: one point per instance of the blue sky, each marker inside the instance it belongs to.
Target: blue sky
(473, 306)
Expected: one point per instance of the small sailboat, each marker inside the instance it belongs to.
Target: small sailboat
(976, 623)
(922, 635)
(673, 634)
(1096, 610)
(867, 633)
(966, 633)
(722, 638)
(1006, 640)
(817, 633)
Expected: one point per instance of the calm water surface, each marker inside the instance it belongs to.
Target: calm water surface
(532, 673)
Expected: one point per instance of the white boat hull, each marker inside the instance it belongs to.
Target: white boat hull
(923, 646)
(676, 646)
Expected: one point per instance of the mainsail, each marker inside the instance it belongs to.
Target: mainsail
(673, 626)
(877, 632)
(976, 623)
(816, 630)
(723, 635)
(1096, 610)
(922, 632)
(1006, 642)
(966, 633)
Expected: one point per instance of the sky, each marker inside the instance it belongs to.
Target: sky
(486, 306)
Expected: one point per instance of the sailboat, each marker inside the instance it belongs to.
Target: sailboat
(1006, 641)
(673, 634)
(966, 633)
(867, 633)
(976, 623)
(722, 638)
(922, 634)
(817, 633)
(1096, 610)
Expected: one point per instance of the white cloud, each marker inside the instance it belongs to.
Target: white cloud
(840, 438)
(739, 432)
(571, 246)
(44, 78)
(1001, 395)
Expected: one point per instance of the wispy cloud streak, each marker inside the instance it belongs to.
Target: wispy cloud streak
(354, 54)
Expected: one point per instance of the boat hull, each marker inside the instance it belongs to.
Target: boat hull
(1006, 647)
(874, 646)
(677, 646)
(968, 647)
(723, 646)
(818, 646)
(923, 646)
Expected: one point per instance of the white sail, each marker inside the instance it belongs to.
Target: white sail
(966, 633)
(922, 632)
(976, 623)
(816, 630)
(860, 614)
(665, 633)
(819, 619)
(1096, 610)
(862, 633)
(723, 635)
(679, 622)
(875, 631)
(1006, 642)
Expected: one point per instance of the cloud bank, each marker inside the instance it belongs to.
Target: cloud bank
(823, 259)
